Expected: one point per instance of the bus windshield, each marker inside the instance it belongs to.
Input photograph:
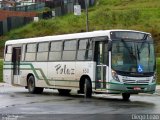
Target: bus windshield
(133, 56)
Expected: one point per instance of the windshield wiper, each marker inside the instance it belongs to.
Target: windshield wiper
(144, 40)
(142, 46)
(130, 52)
(138, 52)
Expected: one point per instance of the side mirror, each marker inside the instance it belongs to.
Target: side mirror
(109, 45)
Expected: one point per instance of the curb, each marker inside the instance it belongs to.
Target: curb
(4, 85)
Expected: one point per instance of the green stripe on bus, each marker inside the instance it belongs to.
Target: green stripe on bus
(47, 80)
(34, 71)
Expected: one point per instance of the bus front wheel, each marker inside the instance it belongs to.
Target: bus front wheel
(125, 96)
(87, 88)
(32, 88)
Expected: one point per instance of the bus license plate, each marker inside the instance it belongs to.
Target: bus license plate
(137, 88)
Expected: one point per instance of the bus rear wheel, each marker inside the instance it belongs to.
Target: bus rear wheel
(125, 96)
(87, 88)
(32, 88)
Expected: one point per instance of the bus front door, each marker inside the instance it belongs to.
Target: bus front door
(16, 57)
(101, 65)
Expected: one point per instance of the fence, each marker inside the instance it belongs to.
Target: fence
(13, 22)
(12, 19)
(65, 6)
(26, 8)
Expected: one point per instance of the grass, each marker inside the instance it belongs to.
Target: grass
(158, 70)
(1, 70)
(106, 14)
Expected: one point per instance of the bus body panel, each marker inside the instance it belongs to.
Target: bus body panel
(7, 74)
(62, 74)
(86, 68)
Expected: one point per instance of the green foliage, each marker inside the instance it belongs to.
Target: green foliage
(116, 19)
(1, 70)
(106, 14)
(158, 70)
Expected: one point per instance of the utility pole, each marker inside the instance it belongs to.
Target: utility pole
(87, 22)
(76, 2)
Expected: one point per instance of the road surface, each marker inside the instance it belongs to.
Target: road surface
(17, 104)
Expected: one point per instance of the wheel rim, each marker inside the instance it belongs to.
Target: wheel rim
(85, 88)
(31, 85)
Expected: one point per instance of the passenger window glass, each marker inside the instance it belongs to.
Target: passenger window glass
(31, 48)
(70, 45)
(69, 52)
(84, 50)
(42, 47)
(83, 44)
(54, 56)
(56, 46)
(69, 55)
(55, 51)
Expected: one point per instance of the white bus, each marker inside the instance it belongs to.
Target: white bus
(109, 61)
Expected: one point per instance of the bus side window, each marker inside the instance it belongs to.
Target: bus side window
(84, 50)
(42, 51)
(55, 51)
(69, 51)
(31, 49)
(8, 53)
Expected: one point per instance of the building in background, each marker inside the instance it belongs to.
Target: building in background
(22, 5)
(12, 19)
(12, 13)
(60, 7)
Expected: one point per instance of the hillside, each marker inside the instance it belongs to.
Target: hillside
(106, 14)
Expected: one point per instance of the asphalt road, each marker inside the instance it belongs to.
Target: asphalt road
(17, 104)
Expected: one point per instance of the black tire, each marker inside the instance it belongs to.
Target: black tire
(32, 88)
(64, 91)
(125, 96)
(87, 88)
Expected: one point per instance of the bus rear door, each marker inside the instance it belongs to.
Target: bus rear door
(16, 57)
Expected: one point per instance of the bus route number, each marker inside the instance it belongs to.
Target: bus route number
(85, 70)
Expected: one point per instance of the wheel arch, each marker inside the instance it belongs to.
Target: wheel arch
(30, 74)
(82, 81)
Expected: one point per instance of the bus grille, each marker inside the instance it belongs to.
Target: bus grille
(135, 81)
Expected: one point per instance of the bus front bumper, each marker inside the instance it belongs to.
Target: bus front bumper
(131, 88)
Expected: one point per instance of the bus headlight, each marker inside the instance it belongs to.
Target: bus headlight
(115, 76)
(154, 78)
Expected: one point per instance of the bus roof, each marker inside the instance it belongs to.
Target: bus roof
(66, 36)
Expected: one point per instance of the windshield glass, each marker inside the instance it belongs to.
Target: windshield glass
(133, 56)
